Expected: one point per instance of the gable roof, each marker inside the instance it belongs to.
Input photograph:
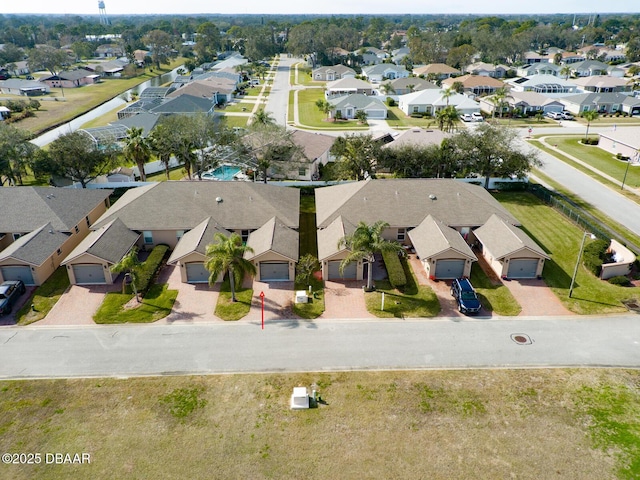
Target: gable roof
(182, 205)
(417, 82)
(35, 247)
(184, 104)
(329, 237)
(418, 137)
(340, 69)
(358, 101)
(28, 208)
(594, 98)
(433, 237)
(274, 236)
(111, 242)
(435, 97)
(406, 202)
(314, 145)
(503, 239)
(435, 68)
(382, 68)
(197, 239)
(470, 81)
(350, 83)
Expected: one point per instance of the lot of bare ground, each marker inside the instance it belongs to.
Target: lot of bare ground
(525, 424)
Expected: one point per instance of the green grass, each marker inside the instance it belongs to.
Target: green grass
(236, 121)
(494, 298)
(44, 298)
(238, 107)
(484, 424)
(156, 304)
(561, 240)
(177, 173)
(231, 311)
(396, 118)
(311, 116)
(412, 301)
(524, 122)
(315, 307)
(291, 107)
(308, 229)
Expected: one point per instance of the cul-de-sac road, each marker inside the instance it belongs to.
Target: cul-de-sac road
(289, 346)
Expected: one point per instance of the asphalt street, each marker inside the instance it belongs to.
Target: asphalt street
(290, 346)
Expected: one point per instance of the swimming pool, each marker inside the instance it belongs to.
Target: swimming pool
(225, 172)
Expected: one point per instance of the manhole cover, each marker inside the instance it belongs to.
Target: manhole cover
(521, 339)
(632, 305)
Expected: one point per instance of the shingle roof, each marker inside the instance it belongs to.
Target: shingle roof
(435, 68)
(110, 242)
(433, 237)
(417, 82)
(382, 68)
(184, 104)
(35, 247)
(406, 202)
(197, 239)
(329, 237)
(25, 209)
(349, 83)
(313, 144)
(503, 239)
(274, 236)
(470, 81)
(358, 101)
(418, 137)
(182, 205)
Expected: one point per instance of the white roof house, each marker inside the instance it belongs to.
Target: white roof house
(430, 101)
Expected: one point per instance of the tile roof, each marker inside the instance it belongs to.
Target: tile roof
(25, 209)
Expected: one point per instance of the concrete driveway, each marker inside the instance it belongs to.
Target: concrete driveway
(195, 303)
(78, 304)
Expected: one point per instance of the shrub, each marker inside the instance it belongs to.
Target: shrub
(620, 280)
(594, 254)
(391, 102)
(397, 277)
(510, 186)
(150, 267)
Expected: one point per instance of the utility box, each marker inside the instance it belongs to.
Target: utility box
(299, 398)
(301, 296)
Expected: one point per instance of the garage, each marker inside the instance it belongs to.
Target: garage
(450, 268)
(523, 268)
(274, 271)
(197, 273)
(88, 274)
(19, 272)
(348, 274)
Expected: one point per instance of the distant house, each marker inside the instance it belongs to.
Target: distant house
(439, 71)
(329, 74)
(430, 101)
(602, 84)
(372, 56)
(4, 113)
(349, 105)
(475, 85)
(188, 105)
(109, 50)
(404, 85)
(487, 70)
(40, 226)
(348, 86)
(316, 148)
(538, 69)
(17, 86)
(71, 79)
(111, 68)
(600, 102)
(545, 84)
(531, 58)
(21, 68)
(594, 67)
(217, 89)
(384, 71)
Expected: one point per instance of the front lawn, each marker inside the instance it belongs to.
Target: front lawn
(311, 116)
(494, 298)
(396, 118)
(561, 240)
(412, 301)
(238, 107)
(156, 304)
(228, 310)
(44, 298)
(315, 307)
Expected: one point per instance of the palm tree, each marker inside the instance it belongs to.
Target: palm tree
(447, 118)
(387, 88)
(324, 106)
(589, 116)
(364, 243)
(225, 255)
(498, 100)
(446, 94)
(458, 87)
(160, 145)
(131, 265)
(263, 117)
(565, 71)
(137, 149)
(362, 116)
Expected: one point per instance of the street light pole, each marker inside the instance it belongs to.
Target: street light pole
(626, 170)
(575, 270)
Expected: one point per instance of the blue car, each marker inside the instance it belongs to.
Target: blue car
(465, 296)
(10, 292)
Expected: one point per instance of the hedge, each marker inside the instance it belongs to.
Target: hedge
(150, 267)
(593, 256)
(620, 280)
(397, 278)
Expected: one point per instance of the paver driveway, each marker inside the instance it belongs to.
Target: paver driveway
(278, 301)
(344, 300)
(78, 304)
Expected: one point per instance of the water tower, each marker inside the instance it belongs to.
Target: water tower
(103, 14)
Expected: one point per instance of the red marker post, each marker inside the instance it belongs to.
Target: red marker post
(262, 298)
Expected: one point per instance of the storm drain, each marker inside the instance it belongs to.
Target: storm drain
(521, 338)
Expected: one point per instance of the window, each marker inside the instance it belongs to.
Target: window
(245, 235)
(302, 171)
(59, 252)
(179, 234)
(77, 229)
(401, 234)
(148, 237)
(415, 109)
(16, 236)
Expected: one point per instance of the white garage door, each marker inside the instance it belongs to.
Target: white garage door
(196, 273)
(523, 268)
(20, 272)
(88, 274)
(274, 271)
(449, 268)
(348, 274)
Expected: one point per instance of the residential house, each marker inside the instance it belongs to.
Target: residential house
(4, 113)
(316, 148)
(71, 79)
(538, 69)
(17, 86)
(600, 102)
(430, 101)
(509, 251)
(602, 84)
(527, 103)
(186, 104)
(487, 70)
(384, 71)
(330, 74)
(112, 68)
(475, 85)
(623, 141)
(550, 85)
(40, 226)
(398, 54)
(372, 55)
(404, 85)
(185, 215)
(595, 67)
(439, 71)
(418, 137)
(346, 106)
(531, 58)
(569, 58)
(348, 86)
(21, 68)
(631, 105)
(109, 50)
(405, 205)
(216, 89)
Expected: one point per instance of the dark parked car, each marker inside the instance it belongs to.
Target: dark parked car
(10, 292)
(465, 296)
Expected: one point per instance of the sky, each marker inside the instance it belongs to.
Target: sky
(119, 7)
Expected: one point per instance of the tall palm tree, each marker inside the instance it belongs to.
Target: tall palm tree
(365, 241)
(161, 145)
(263, 117)
(131, 265)
(498, 100)
(589, 116)
(137, 149)
(446, 94)
(225, 255)
(387, 88)
(566, 71)
(324, 106)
